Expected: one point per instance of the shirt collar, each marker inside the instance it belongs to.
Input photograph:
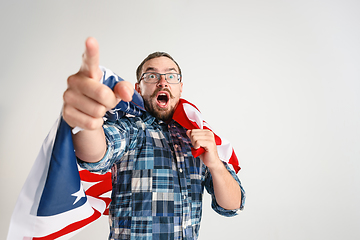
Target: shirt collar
(149, 119)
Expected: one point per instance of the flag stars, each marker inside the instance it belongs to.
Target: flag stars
(79, 194)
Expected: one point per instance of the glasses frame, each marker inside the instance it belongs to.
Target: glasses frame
(158, 75)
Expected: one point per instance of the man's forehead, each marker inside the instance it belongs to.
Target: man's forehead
(160, 64)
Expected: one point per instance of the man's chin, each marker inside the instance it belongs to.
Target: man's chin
(158, 112)
(162, 115)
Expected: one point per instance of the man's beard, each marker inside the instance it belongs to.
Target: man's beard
(156, 111)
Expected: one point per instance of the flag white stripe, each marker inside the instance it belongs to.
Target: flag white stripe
(50, 224)
(22, 220)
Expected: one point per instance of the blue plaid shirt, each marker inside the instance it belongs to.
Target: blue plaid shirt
(157, 184)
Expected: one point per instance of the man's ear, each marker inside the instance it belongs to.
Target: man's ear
(181, 88)
(137, 87)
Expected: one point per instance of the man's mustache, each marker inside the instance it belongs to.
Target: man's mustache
(161, 89)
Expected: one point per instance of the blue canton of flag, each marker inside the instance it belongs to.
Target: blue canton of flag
(62, 191)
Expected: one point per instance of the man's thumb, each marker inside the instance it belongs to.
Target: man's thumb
(123, 90)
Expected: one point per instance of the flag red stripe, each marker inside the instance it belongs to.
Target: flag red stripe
(71, 227)
(87, 176)
(99, 188)
(234, 162)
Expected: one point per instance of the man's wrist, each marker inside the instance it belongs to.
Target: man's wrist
(217, 167)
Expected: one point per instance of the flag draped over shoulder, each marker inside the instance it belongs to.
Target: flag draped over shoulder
(59, 198)
(189, 116)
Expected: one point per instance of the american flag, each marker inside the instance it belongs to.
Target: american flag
(59, 198)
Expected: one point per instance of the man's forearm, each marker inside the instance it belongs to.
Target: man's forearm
(227, 190)
(90, 145)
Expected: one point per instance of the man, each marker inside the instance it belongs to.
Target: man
(157, 183)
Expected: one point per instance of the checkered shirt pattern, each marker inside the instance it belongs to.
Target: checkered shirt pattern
(157, 184)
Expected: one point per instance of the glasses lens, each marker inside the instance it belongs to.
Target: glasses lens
(172, 77)
(150, 77)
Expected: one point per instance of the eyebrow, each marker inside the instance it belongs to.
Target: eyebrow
(154, 69)
(150, 69)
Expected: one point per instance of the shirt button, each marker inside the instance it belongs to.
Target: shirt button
(184, 197)
(180, 170)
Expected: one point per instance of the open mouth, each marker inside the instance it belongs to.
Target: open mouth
(162, 99)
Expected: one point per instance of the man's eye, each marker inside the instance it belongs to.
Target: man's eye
(151, 76)
(171, 76)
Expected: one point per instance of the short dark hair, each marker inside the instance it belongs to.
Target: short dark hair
(152, 56)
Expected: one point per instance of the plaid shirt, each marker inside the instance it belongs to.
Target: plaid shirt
(157, 183)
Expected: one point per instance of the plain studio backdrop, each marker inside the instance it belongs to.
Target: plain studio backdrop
(280, 79)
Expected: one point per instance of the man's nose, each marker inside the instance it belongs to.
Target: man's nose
(162, 83)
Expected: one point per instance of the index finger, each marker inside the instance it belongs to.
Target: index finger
(90, 59)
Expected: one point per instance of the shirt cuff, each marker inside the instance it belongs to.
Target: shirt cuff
(215, 206)
(101, 166)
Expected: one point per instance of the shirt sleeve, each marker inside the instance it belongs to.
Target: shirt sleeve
(117, 140)
(210, 189)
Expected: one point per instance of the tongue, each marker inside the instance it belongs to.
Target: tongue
(162, 102)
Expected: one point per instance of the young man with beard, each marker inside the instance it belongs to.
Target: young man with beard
(157, 183)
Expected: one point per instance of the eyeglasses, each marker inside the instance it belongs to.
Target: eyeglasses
(153, 77)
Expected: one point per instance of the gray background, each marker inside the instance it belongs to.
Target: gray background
(280, 79)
